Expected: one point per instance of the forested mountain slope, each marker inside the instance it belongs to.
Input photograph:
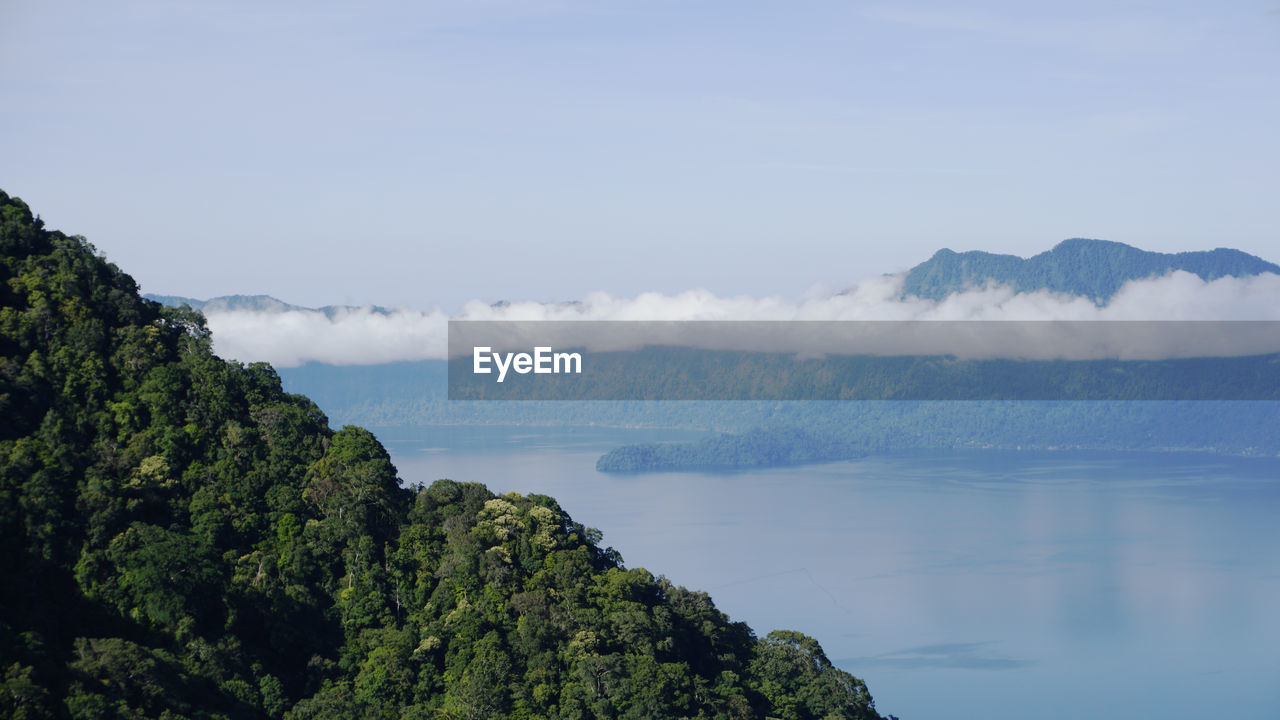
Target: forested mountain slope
(181, 538)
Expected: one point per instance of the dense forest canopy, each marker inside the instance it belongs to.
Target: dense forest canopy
(183, 539)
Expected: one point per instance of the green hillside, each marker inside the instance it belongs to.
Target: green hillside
(182, 539)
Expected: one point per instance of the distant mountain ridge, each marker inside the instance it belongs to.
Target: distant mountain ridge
(1095, 269)
(254, 303)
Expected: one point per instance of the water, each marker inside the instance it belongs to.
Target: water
(959, 585)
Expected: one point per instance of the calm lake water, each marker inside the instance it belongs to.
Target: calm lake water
(959, 585)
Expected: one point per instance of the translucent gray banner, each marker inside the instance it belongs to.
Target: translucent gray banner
(827, 360)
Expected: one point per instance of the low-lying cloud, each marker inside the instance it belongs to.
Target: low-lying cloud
(365, 336)
(349, 336)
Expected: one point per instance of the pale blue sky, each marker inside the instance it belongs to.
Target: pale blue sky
(421, 154)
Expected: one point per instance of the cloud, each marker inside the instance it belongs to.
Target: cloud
(347, 336)
(362, 336)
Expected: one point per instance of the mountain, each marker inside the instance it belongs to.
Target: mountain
(1095, 269)
(814, 432)
(256, 303)
(180, 538)
(227, 303)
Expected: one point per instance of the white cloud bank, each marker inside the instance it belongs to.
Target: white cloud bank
(350, 336)
(363, 336)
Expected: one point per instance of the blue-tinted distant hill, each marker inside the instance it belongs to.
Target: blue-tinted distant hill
(1090, 268)
(251, 303)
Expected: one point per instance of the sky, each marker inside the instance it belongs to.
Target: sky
(427, 154)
